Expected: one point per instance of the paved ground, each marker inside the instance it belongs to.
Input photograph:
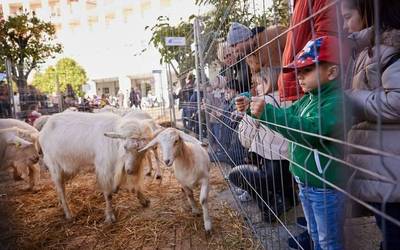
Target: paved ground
(360, 233)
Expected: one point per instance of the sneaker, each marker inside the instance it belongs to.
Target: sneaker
(238, 191)
(301, 222)
(245, 197)
(281, 207)
(304, 239)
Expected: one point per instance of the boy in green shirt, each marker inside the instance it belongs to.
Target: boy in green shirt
(316, 114)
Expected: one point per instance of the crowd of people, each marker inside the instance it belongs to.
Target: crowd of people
(32, 103)
(312, 110)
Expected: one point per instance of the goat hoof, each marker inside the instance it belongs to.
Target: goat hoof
(207, 226)
(208, 234)
(17, 177)
(115, 190)
(28, 188)
(145, 202)
(196, 211)
(68, 217)
(110, 218)
(148, 174)
(158, 177)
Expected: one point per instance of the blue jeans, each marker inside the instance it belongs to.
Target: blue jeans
(215, 135)
(324, 212)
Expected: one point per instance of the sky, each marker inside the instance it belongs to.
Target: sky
(112, 52)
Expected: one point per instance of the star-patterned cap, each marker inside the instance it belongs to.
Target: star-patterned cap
(322, 49)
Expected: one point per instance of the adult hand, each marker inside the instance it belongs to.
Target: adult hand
(242, 103)
(257, 106)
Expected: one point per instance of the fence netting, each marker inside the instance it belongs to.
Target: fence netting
(302, 120)
(299, 104)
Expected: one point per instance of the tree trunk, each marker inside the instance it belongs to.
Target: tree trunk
(23, 92)
(21, 84)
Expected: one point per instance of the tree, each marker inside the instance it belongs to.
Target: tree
(276, 14)
(215, 27)
(2, 67)
(26, 41)
(217, 21)
(182, 56)
(66, 71)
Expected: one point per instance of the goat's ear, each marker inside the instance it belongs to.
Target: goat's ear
(26, 133)
(18, 142)
(188, 138)
(152, 143)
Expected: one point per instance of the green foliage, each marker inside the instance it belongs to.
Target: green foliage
(2, 67)
(278, 13)
(216, 25)
(66, 71)
(224, 13)
(27, 42)
(183, 56)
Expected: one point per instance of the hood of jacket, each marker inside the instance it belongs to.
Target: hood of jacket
(364, 38)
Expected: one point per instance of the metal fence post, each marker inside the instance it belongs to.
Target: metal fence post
(171, 96)
(198, 74)
(59, 96)
(10, 88)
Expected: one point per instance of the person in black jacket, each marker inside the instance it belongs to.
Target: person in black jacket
(233, 152)
(184, 100)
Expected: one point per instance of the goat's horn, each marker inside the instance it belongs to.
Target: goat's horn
(114, 135)
(150, 144)
(158, 131)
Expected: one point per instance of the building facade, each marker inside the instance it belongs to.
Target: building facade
(107, 37)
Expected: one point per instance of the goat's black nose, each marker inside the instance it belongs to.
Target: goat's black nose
(167, 162)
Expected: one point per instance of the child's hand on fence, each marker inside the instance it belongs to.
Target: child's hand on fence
(237, 116)
(242, 103)
(257, 106)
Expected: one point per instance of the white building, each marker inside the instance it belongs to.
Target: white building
(107, 36)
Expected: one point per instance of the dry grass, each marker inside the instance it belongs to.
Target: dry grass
(35, 220)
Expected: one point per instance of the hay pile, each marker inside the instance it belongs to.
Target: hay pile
(35, 220)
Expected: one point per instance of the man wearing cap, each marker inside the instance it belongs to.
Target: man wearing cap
(252, 44)
(317, 113)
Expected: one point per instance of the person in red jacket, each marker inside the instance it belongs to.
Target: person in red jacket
(323, 23)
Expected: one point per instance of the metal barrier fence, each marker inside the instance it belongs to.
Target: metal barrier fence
(291, 162)
(30, 104)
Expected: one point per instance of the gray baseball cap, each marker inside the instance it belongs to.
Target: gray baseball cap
(238, 33)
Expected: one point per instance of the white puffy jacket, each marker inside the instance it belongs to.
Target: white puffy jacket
(262, 140)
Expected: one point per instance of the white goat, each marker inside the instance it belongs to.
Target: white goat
(144, 116)
(191, 165)
(39, 122)
(105, 141)
(22, 159)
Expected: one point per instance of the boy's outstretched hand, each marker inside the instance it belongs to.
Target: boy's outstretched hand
(242, 103)
(257, 106)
